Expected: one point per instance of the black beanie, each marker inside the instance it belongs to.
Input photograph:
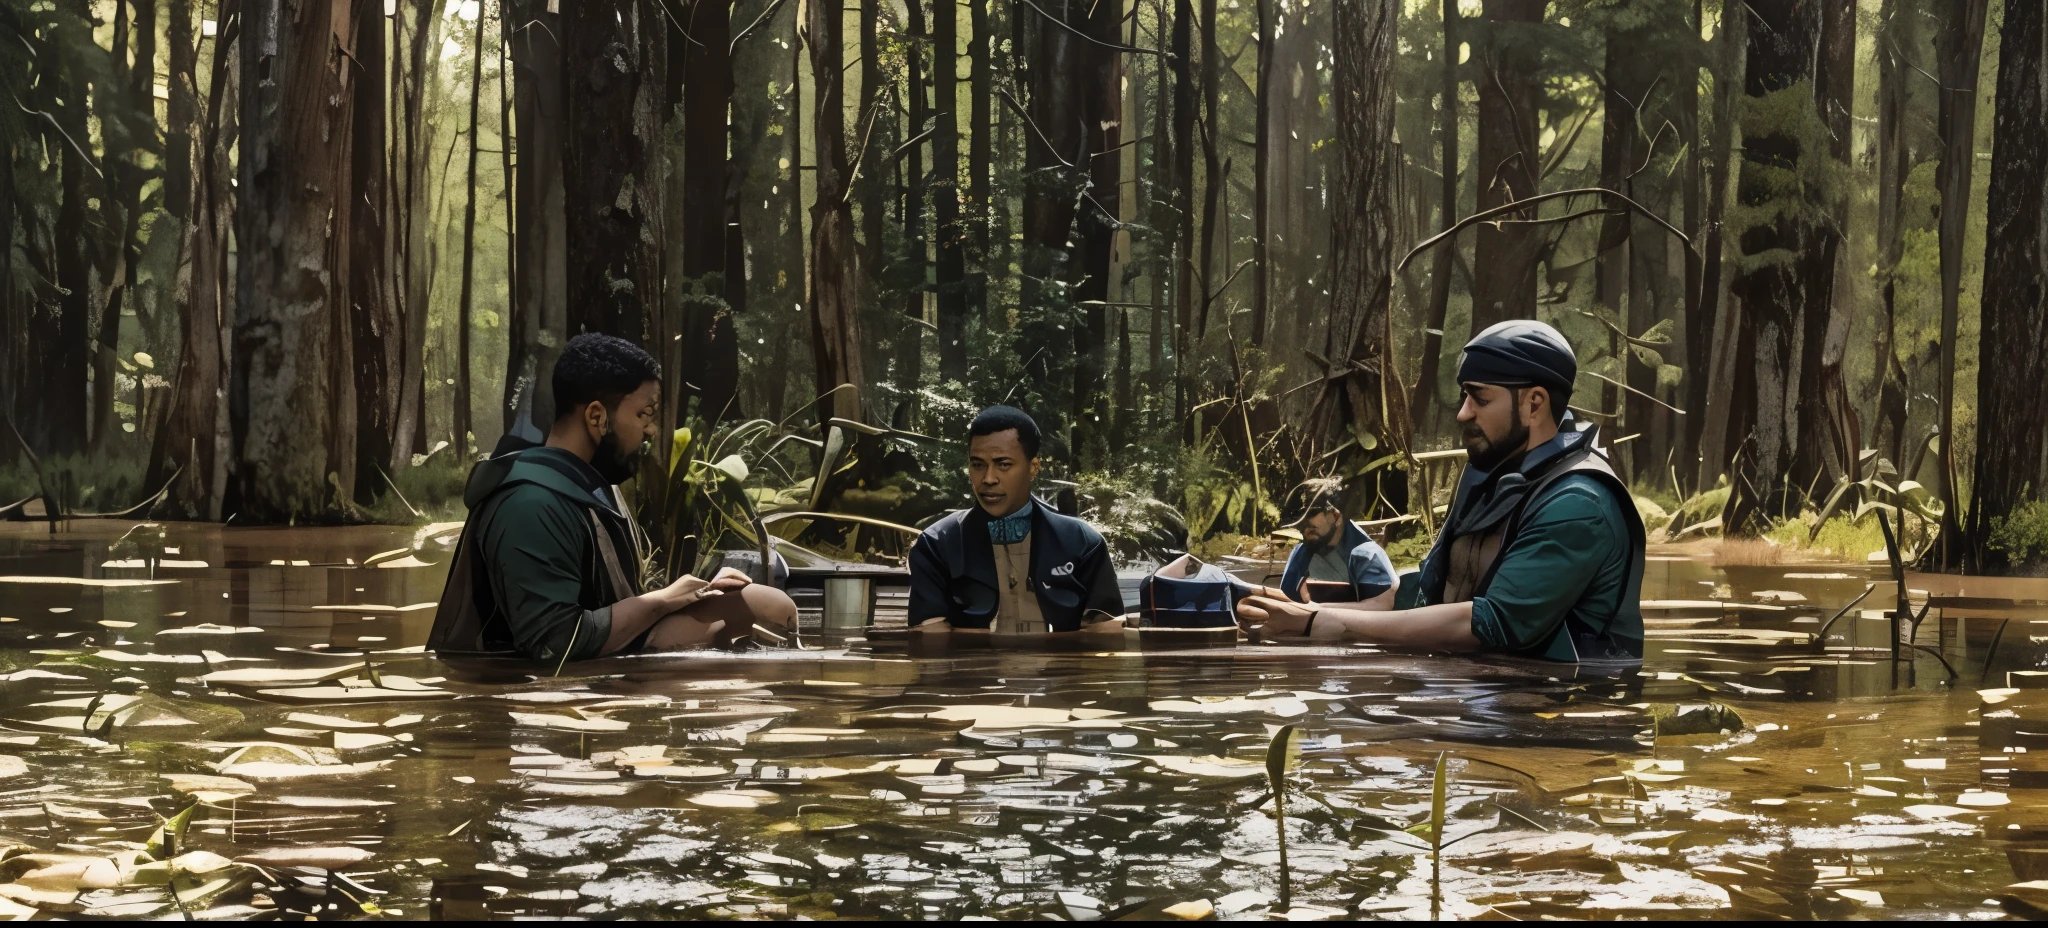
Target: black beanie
(1521, 353)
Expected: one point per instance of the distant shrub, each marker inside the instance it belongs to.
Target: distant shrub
(2022, 535)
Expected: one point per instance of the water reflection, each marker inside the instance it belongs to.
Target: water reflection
(1753, 768)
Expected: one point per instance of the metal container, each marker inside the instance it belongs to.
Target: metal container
(849, 602)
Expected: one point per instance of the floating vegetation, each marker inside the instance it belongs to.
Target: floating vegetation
(230, 762)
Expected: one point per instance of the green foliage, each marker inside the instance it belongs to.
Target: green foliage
(2022, 536)
(1843, 536)
(1779, 191)
(1703, 508)
(1409, 550)
(1213, 493)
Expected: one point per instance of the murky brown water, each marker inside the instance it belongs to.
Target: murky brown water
(227, 668)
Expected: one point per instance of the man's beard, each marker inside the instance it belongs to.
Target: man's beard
(613, 465)
(1492, 454)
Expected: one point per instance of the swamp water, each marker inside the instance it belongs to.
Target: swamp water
(258, 679)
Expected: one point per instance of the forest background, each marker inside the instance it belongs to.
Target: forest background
(302, 260)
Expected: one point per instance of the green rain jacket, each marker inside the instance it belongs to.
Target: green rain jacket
(546, 553)
(1566, 584)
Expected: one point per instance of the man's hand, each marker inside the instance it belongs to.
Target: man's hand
(728, 580)
(685, 592)
(1275, 617)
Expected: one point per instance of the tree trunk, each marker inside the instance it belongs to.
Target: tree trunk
(292, 394)
(1215, 181)
(1361, 396)
(465, 318)
(135, 134)
(980, 161)
(540, 284)
(1506, 165)
(1181, 186)
(710, 370)
(613, 51)
(373, 320)
(1893, 165)
(1056, 167)
(1783, 45)
(871, 187)
(1829, 438)
(1262, 170)
(1958, 50)
(194, 439)
(60, 343)
(836, 338)
(916, 184)
(2012, 455)
(949, 235)
(413, 242)
(1424, 412)
(1713, 349)
(1099, 79)
(1629, 76)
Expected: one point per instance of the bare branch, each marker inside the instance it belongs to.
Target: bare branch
(1527, 202)
(766, 15)
(1089, 38)
(1040, 133)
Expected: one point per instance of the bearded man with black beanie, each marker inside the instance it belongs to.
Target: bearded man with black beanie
(1542, 554)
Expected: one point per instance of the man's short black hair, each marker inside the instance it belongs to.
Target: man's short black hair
(600, 367)
(1002, 419)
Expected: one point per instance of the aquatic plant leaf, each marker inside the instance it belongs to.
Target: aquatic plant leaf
(272, 676)
(734, 799)
(1001, 716)
(1194, 910)
(1438, 806)
(1280, 753)
(73, 874)
(1208, 765)
(357, 741)
(196, 782)
(273, 770)
(327, 721)
(395, 688)
(567, 722)
(74, 814)
(1284, 706)
(11, 766)
(164, 841)
(326, 858)
(328, 802)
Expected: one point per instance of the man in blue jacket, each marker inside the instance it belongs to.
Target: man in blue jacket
(1009, 565)
(1336, 562)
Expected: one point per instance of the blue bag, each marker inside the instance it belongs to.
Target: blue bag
(1187, 594)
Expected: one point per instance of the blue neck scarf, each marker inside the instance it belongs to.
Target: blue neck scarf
(1011, 528)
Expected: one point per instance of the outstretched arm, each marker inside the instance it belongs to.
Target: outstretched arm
(1447, 627)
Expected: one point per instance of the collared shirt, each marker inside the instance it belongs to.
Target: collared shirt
(1017, 610)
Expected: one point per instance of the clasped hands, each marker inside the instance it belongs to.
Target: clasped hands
(690, 590)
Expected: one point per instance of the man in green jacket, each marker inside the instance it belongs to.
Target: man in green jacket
(549, 565)
(1542, 553)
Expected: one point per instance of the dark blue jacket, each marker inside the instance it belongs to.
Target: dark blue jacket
(953, 571)
(1372, 573)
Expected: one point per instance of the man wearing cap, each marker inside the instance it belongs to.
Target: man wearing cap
(1542, 554)
(1337, 562)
